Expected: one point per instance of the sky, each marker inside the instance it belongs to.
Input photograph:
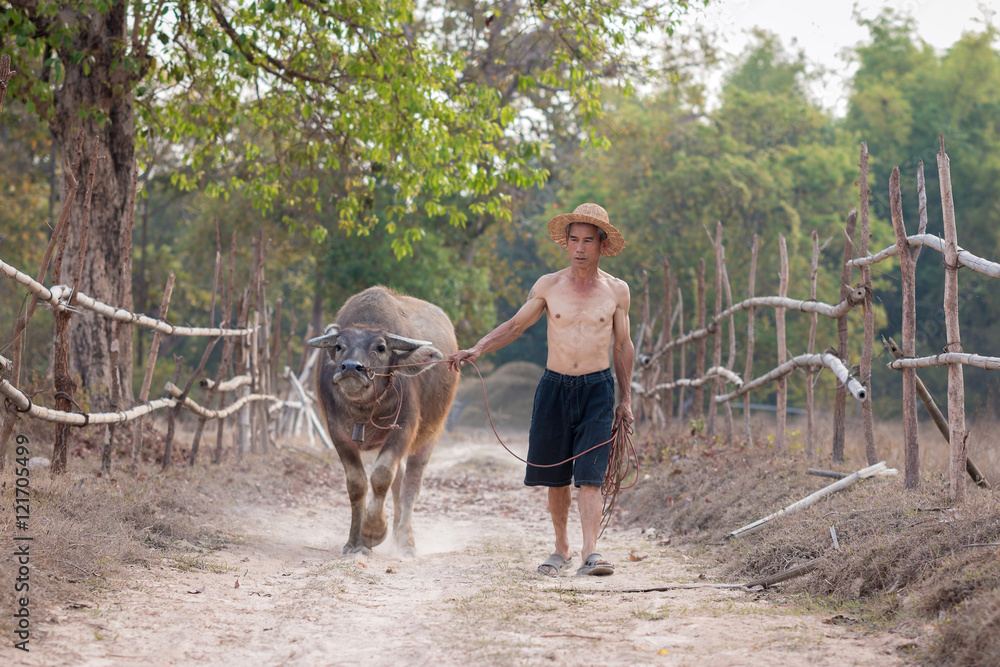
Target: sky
(824, 28)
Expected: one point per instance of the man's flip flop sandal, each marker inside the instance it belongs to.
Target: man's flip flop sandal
(555, 565)
(596, 565)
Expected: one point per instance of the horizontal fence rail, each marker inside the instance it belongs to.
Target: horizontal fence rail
(965, 258)
(946, 358)
(833, 311)
(825, 359)
(58, 298)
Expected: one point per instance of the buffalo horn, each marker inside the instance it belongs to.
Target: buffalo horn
(328, 339)
(404, 344)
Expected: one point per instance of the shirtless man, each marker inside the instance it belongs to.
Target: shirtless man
(587, 312)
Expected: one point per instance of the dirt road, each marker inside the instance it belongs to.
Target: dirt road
(279, 593)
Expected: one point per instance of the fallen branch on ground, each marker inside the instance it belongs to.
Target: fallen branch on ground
(790, 573)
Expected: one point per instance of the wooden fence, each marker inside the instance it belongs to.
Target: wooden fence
(249, 353)
(256, 381)
(654, 384)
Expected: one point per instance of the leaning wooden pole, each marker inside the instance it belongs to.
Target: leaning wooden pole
(956, 377)
(751, 319)
(868, 346)
(907, 271)
(939, 419)
(840, 401)
(779, 318)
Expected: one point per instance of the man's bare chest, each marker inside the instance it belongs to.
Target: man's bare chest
(572, 308)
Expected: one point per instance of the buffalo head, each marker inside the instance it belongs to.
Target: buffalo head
(359, 356)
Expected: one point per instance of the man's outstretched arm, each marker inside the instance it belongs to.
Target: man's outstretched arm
(505, 333)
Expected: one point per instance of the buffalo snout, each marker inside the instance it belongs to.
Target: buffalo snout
(354, 373)
(352, 367)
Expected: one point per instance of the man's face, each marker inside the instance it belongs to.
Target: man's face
(583, 241)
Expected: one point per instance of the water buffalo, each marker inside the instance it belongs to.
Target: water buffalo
(381, 395)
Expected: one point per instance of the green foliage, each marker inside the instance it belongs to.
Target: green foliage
(766, 162)
(24, 216)
(409, 122)
(904, 98)
(434, 273)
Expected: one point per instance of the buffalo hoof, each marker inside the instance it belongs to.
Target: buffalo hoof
(406, 549)
(373, 533)
(351, 549)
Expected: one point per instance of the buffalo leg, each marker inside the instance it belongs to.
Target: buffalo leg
(396, 484)
(357, 488)
(410, 489)
(374, 526)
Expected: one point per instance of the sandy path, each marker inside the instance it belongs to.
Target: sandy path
(471, 596)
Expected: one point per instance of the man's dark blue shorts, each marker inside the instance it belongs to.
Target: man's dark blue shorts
(572, 413)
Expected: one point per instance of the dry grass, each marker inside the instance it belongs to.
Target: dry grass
(905, 562)
(89, 530)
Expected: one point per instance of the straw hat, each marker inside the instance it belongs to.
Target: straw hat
(592, 214)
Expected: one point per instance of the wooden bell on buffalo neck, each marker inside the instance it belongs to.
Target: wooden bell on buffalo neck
(358, 435)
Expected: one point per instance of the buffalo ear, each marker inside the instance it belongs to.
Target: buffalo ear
(329, 337)
(416, 360)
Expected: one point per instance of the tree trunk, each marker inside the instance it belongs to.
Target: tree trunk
(98, 102)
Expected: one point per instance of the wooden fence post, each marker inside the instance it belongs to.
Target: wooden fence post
(956, 376)
(668, 321)
(779, 318)
(154, 351)
(731, 359)
(647, 372)
(70, 164)
(921, 208)
(840, 401)
(867, 418)
(699, 364)
(810, 347)
(751, 320)
(717, 384)
(683, 356)
(906, 268)
(935, 413)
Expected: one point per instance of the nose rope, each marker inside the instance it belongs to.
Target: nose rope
(620, 458)
(370, 371)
